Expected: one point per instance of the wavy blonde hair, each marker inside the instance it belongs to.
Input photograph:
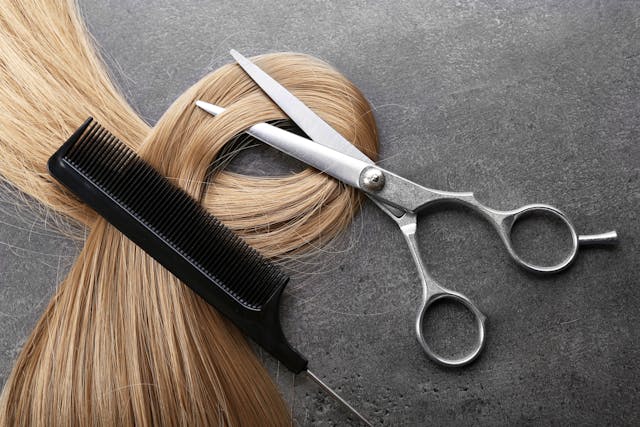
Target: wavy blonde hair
(123, 342)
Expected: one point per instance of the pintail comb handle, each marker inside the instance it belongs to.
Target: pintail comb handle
(179, 233)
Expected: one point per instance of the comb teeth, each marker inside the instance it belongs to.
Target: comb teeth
(171, 215)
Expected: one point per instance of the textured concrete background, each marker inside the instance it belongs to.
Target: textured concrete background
(521, 102)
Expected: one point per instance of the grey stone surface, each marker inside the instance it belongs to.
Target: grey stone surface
(521, 102)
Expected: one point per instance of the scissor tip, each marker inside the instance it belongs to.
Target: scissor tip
(209, 108)
(236, 55)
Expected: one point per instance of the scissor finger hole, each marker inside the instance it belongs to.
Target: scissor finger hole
(450, 329)
(541, 237)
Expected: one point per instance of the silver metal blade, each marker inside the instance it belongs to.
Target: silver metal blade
(325, 159)
(336, 164)
(316, 128)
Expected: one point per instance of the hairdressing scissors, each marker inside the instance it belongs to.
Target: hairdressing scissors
(398, 197)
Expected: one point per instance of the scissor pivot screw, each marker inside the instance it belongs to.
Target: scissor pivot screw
(372, 179)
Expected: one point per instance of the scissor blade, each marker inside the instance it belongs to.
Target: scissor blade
(327, 160)
(316, 128)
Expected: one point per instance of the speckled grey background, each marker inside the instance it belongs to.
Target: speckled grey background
(519, 101)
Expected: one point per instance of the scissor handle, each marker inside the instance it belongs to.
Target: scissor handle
(413, 198)
(506, 221)
(438, 293)
(432, 292)
(503, 222)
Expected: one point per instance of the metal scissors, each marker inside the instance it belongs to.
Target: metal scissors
(398, 197)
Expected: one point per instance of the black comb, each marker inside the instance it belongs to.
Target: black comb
(179, 233)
